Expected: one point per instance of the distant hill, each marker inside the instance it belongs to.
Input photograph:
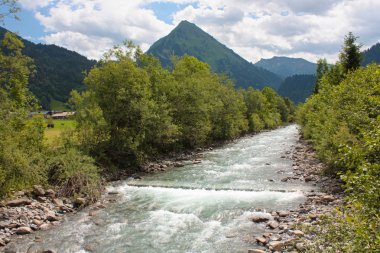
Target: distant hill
(371, 55)
(298, 87)
(189, 39)
(58, 71)
(285, 66)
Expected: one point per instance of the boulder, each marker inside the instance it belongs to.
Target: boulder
(50, 216)
(58, 202)
(327, 198)
(283, 213)
(50, 193)
(261, 240)
(261, 217)
(38, 190)
(24, 230)
(273, 224)
(45, 226)
(276, 245)
(19, 202)
(298, 233)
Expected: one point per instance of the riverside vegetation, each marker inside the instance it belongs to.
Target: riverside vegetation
(343, 122)
(132, 110)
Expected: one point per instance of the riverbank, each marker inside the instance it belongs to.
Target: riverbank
(285, 228)
(281, 225)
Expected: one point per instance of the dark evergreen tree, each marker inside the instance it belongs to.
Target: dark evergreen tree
(350, 57)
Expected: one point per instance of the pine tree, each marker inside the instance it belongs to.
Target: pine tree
(350, 57)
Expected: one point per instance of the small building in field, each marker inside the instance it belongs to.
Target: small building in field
(59, 115)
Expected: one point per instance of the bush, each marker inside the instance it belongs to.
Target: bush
(74, 173)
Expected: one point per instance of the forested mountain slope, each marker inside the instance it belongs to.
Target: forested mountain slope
(189, 39)
(57, 71)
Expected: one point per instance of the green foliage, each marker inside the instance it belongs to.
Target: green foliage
(322, 69)
(343, 123)
(265, 109)
(350, 56)
(188, 39)
(24, 159)
(134, 109)
(74, 173)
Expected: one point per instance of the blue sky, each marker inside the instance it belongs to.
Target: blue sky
(254, 29)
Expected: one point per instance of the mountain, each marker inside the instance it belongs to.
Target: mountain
(298, 87)
(285, 66)
(58, 72)
(371, 55)
(189, 39)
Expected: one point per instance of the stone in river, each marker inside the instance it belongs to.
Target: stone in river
(276, 246)
(273, 224)
(256, 251)
(261, 217)
(261, 240)
(24, 230)
(38, 190)
(19, 202)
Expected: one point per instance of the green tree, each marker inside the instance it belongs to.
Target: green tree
(322, 69)
(350, 57)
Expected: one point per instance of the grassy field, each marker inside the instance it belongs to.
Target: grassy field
(51, 134)
(59, 106)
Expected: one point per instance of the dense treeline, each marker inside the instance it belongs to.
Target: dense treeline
(134, 109)
(343, 122)
(24, 158)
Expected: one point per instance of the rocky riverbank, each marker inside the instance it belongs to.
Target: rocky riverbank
(283, 227)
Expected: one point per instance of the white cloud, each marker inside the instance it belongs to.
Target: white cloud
(255, 29)
(91, 46)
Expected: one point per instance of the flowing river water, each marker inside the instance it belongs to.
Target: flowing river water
(201, 207)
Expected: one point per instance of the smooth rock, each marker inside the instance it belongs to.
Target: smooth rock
(58, 202)
(283, 213)
(276, 246)
(256, 251)
(273, 224)
(19, 202)
(261, 217)
(38, 190)
(24, 230)
(261, 240)
(50, 216)
(300, 246)
(328, 198)
(298, 233)
(45, 226)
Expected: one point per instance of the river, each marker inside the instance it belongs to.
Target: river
(201, 207)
